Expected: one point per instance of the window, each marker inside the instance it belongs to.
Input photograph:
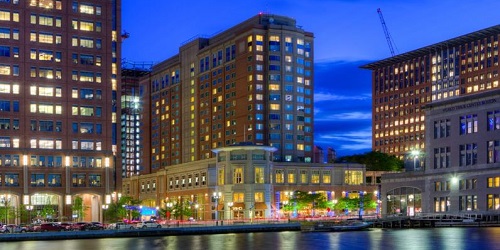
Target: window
(220, 176)
(468, 124)
(54, 180)
(327, 177)
(353, 177)
(238, 175)
(468, 154)
(315, 176)
(78, 180)
(259, 175)
(442, 157)
(493, 151)
(37, 180)
(467, 203)
(94, 180)
(493, 120)
(304, 176)
(86, 26)
(291, 176)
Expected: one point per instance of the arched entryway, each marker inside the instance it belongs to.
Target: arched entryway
(405, 201)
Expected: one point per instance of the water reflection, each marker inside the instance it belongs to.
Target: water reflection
(421, 239)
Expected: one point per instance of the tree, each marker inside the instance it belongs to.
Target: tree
(352, 204)
(48, 212)
(305, 201)
(375, 161)
(123, 208)
(78, 207)
(182, 209)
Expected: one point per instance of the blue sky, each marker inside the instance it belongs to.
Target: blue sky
(348, 33)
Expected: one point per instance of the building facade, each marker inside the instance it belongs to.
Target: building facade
(252, 82)
(242, 182)
(59, 71)
(404, 84)
(461, 174)
(133, 132)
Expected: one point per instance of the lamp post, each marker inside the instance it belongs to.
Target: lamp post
(230, 205)
(169, 209)
(415, 154)
(104, 208)
(29, 208)
(285, 204)
(361, 203)
(216, 196)
(196, 206)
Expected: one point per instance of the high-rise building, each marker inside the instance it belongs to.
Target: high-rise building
(404, 84)
(59, 72)
(133, 133)
(438, 105)
(251, 83)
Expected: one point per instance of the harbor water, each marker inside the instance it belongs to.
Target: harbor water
(452, 238)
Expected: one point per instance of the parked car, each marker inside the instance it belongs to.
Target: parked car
(12, 228)
(148, 224)
(96, 226)
(52, 226)
(67, 226)
(80, 226)
(122, 225)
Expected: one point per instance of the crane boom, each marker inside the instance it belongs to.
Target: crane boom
(386, 32)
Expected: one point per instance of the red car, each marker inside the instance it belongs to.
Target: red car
(45, 227)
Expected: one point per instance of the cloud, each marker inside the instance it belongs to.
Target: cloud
(355, 141)
(319, 97)
(344, 116)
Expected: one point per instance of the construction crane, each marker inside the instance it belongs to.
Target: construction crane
(390, 41)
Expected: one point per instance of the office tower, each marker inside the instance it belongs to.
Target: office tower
(133, 133)
(404, 84)
(251, 83)
(59, 71)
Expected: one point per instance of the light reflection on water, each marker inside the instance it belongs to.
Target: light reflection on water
(421, 239)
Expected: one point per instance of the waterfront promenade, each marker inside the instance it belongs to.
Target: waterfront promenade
(152, 232)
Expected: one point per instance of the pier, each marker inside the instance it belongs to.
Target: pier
(437, 220)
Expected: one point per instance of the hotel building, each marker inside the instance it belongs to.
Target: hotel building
(404, 84)
(252, 82)
(231, 126)
(59, 72)
(441, 100)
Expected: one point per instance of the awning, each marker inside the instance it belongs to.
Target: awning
(238, 205)
(260, 205)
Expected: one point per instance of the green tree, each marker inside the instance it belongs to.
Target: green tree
(78, 207)
(353, 204)
(305, 201)
(182, 209)
(48, 212)
(117, 211)
(375, 161)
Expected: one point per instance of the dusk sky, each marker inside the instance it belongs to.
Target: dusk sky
(348, 33)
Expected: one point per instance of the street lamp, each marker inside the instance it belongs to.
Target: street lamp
(285, 203)
(415, 153)
(361, 203)
(169, 209)
(216, 196)
(104, 208)
(29, 208)
(230, 205)
(196, 206)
